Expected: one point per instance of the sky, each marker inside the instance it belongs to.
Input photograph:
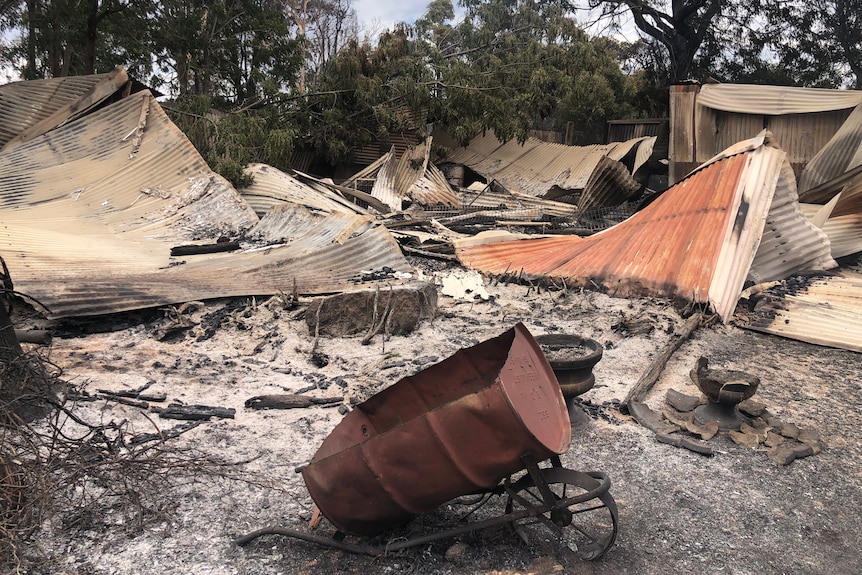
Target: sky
(377, 15)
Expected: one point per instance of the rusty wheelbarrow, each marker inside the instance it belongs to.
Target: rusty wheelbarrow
(478, 423)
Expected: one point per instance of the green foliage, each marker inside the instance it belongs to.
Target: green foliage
(231, 141)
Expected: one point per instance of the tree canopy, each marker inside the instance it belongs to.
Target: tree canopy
(251, 80)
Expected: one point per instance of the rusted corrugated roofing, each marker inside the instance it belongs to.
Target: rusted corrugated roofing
(536, 167)
(91, 210)
(824, 311)
(31, 108)
(697, 241)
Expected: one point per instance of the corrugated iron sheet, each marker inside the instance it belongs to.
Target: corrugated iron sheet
(91, 210)
(610, 184)
(272, 187)
(779, 255)
(536, 167)
(384, 188)
(410, 177)
(433, 190)
(489, 197)
(31, 108)
(411, 166)
(824, 311)
(775, 100)
(842, 154)
(697, 241)
(843, 222)
(708, 119)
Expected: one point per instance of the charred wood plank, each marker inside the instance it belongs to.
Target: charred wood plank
(289, 401)
(195, 249)
(194, 412)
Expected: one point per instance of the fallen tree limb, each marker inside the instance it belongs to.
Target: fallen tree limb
(648, 379)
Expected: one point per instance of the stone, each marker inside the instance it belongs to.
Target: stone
(812, 439)
(781, 454)
(682, 401)
(677, 418)
(399, 308)
(802, 450)
(752, 407)
(744, 439)
(706, 431)
(760, 433)
(789, 430)
(773, 439)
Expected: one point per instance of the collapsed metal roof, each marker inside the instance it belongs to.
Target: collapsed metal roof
(91, 210)
(411, 177)
(271, 187)
(735, 218)
(537, 168)
(31, 108)
(820, 310)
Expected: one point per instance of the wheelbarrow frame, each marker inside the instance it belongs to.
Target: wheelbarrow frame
(552, 510)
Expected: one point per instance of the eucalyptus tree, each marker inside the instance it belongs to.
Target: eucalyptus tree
(812, 43)
(680, 26)
(517, 65)
(59, 37)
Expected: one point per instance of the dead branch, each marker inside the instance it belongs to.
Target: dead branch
(648, 379)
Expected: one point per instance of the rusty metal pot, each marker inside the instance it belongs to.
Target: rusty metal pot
(459, 426)
(572, 358)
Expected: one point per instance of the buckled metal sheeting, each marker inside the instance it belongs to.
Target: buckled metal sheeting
(459, 426)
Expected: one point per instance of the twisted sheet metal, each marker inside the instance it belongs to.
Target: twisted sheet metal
(824, 311)
(31, 108)
(536, 167)
(775, 100)
(840, 155)
(272, 187)
(91, 210)
(697, 241)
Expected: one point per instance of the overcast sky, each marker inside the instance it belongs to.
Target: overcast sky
(375, 15)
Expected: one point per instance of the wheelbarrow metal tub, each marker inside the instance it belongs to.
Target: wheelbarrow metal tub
(457, 427)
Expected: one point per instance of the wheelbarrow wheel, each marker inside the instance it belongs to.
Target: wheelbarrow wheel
(570, 507)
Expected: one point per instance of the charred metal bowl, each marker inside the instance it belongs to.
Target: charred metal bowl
(723, 386)
(572, 358)
(724, 389)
